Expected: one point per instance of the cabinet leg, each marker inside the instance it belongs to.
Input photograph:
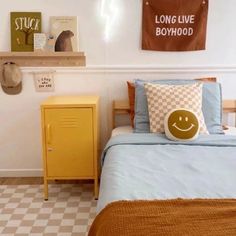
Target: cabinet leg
(96, 188)
(45, 189)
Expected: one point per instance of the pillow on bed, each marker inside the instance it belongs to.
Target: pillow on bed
(163, 98)
(131, 94)
(181, 125)
(141, 119)
(211, 104)
(209, 79)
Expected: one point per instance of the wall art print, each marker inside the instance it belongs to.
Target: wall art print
(174, 25)
(23, 27)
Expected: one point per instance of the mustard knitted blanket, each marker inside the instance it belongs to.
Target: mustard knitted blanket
(198, 217)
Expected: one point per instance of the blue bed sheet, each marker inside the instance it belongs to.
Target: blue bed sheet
(149, 166)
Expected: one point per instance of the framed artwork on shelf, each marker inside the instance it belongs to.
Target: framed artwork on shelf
(23, 27)
(43, 42)
(64, 30)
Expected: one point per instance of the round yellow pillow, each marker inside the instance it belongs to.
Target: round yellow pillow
(181, 124)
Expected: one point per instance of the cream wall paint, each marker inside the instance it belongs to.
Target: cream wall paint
(110, 64)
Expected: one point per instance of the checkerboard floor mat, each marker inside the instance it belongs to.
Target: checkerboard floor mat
(70, 210)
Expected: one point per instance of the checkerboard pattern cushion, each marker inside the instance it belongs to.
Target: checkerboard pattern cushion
(163, 98)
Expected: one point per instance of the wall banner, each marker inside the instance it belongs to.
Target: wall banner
(174, 25)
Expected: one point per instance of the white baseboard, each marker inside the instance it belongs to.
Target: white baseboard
(21, 172)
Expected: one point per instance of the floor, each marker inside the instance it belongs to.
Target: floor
(70, 209)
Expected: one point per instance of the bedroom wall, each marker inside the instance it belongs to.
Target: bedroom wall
(110, 62)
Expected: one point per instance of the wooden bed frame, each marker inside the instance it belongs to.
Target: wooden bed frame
(120, 213)
(121, 107)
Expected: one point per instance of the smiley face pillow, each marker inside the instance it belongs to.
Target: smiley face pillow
(181, 125)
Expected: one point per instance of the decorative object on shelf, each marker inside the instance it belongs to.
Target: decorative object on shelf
(43, 42)
(23, 27)
(44, 81)
(50, 45)
(174, 25)
(40, 41)
(64, 29)
(11, 79)
(44, 59)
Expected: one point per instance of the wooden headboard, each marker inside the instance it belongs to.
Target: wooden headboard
(121, 107)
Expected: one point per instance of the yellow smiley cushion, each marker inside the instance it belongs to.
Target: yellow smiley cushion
(181, 124)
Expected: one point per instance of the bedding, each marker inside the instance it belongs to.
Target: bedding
(154, 186)
(131, 95)
(122, 130)
(181, 124)
(128, 129)
(211, 105)
(230, 130)
(148, 166)
(162, 98)
(171, 217)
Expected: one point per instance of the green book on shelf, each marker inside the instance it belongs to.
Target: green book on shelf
(23, 27)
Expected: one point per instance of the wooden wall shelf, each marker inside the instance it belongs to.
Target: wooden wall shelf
(44, 59)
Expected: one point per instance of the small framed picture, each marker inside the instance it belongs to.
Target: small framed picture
(40, 41)
(44, 42)
(44, 81)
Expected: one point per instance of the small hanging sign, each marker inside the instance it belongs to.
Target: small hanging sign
(44, 81)
(174, 25)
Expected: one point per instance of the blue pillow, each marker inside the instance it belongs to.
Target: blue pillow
(211, 105)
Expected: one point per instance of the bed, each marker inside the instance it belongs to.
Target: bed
(154, 186)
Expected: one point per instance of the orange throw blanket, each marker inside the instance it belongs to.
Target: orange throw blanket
(167, 217)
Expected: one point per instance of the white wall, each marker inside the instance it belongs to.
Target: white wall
(110, 64)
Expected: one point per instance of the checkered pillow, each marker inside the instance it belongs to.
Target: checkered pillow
(163, 98)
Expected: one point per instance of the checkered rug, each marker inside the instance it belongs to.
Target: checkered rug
(69, 210)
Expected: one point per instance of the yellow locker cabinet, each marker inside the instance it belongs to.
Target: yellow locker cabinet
(70, 139)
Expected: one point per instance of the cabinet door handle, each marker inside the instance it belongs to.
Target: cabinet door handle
(48, 134)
